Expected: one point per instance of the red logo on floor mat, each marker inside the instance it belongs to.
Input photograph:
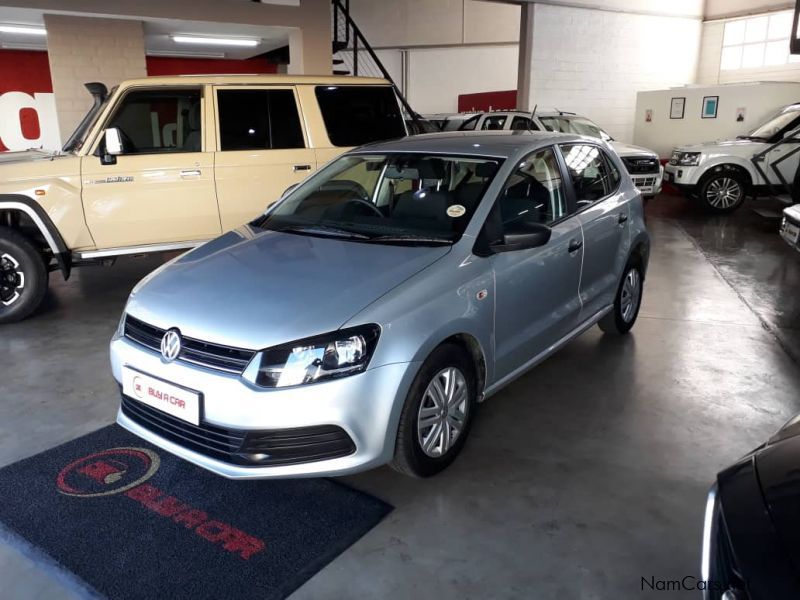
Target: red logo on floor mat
(125, 470)
(108, 472)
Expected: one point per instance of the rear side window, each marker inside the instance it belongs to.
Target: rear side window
(494, 122)
(259, 120)
(523, 124)
(356, 115)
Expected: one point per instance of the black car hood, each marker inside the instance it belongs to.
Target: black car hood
(778, 468)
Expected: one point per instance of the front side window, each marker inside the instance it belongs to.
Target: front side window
(494, 122)
(259, 120)
(387, 198)
(360, 114)
(591, 176)
(159, 121)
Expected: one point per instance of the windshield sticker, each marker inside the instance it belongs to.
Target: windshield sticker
(456, 210)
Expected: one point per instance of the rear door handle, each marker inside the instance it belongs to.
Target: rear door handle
(302, 168)
(574, 246)
(191, 173)
(622, 218)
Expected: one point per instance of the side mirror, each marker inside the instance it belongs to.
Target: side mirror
(112, 140)
(528, 235)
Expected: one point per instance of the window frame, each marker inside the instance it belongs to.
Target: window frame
(608, 162)
(97, 142)
(247, 87)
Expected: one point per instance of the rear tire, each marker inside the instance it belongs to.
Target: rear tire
(627, 302)
(23, 277)
(431, 432)
(722, 192)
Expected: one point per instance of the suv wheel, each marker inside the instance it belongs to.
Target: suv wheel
(723, 191)
(437, 414)
(627, 302)
(23, 276)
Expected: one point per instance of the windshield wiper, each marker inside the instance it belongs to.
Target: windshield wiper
(751, 137)
(414, 239)
(323, 230)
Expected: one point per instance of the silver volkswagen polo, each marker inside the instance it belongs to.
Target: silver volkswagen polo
(361, 319)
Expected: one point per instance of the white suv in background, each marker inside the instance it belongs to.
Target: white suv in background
(721, 174)
(642, 164)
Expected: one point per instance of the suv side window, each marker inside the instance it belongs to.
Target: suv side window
(359, 114)
(469, 124)
(259, 120)
(159, 121)
(590, 172)
(523, 124)
(494, 122)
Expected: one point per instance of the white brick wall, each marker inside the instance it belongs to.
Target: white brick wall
(88, 49)
(594, 62)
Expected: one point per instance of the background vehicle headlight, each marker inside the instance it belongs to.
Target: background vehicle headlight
(330, 356)
(688, 159)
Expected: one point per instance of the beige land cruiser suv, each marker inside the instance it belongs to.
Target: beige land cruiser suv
(165, 163)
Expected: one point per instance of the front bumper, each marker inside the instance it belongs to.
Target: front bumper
(366, 406)
(649, 183)
(790, 227)
(682, 177)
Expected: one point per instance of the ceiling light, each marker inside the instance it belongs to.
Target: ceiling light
(23, 29)
(178, 53)
(214, 41)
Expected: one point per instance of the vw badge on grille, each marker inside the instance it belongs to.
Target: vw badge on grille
(171, 345)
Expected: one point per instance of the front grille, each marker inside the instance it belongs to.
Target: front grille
(641, 164)
(236, 446)
(644, 182)
(213, 356)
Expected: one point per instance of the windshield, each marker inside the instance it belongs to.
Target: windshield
(578, 125)
(387, 198)
(774, 126)
(75, 141)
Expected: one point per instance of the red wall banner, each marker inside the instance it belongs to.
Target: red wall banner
(28, 117)
(484, 101)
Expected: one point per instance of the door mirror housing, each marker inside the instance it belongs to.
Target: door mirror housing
(526, 235)
(112, 141)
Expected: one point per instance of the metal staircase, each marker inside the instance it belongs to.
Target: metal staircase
(353, 55)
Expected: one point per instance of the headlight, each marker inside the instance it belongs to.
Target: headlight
(330, 356)
(685, 159)
(121, 326)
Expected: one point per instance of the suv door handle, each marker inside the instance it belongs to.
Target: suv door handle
(622, 218)
(191, 173)
(574, 246)
(301, 168)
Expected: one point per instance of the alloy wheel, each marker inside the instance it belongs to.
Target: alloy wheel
(631, 295)
(442, 413)
(724, 192)
(12, 280)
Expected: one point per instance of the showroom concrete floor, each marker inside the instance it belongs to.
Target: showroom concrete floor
(581, 478)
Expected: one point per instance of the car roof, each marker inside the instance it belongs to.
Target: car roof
(500, 144)
(257, 79)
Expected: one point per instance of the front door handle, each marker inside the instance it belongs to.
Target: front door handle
(191, 173)
(302, 168)
(622, 218)
(574, 246)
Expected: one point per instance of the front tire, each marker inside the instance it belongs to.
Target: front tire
(722, 192)
(23, 277)
(627, 302)
(437, 414)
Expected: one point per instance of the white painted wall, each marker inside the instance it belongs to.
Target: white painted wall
(662, 134)
(594, 62)
(439, 75)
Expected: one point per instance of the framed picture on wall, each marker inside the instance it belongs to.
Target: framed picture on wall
(676, 108)
(710, 105)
